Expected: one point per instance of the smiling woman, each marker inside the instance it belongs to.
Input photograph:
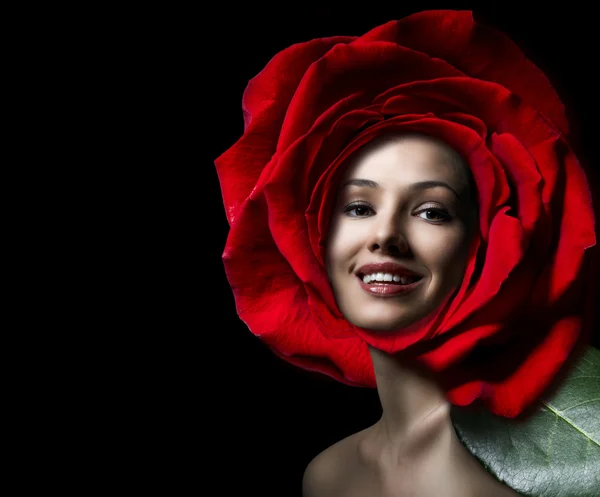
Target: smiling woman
(396, 251)
(399, 215)
(406, 213)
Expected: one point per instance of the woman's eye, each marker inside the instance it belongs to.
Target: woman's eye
(358, 210)
(435, 215)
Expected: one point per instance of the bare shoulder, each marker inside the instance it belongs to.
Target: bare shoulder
(319, 479)
(328, 470)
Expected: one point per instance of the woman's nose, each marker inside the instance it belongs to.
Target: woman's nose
(388, 238)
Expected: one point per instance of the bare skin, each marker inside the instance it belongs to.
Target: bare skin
(411, 451)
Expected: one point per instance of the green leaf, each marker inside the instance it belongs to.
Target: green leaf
(555, 452)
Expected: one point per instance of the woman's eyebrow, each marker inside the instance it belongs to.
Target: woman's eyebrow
(361, 182)
(420, 185)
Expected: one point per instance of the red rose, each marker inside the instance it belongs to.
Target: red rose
(518, 314)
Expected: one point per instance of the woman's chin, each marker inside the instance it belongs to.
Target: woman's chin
(386, 325)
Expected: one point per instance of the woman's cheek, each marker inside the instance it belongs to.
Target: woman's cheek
(440, 247)
(349, 235)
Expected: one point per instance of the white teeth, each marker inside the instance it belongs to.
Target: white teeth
(368, 278)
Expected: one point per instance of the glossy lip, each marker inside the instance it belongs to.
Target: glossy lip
(385, 267)
(387, 289)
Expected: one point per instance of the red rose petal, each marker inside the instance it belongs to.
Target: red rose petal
(477, 50)
(349, 69)
(240, 166)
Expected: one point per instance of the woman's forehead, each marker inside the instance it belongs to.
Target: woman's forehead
(409, 158)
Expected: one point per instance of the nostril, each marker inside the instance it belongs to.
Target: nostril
(392, 249)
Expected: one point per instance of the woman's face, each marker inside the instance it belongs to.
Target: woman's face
(400, 231)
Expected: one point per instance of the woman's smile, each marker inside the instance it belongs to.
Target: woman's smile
(390, 288)
(387, 279)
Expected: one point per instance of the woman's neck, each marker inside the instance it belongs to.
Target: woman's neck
(416, 412)
(413, 447)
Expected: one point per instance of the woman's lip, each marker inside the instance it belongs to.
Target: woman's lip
(388, 289)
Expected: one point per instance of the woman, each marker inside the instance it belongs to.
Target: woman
(398, 247)
(428, 95)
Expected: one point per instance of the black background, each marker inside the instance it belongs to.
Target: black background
(139, 378)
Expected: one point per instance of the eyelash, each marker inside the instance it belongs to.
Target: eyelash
(445, 216)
